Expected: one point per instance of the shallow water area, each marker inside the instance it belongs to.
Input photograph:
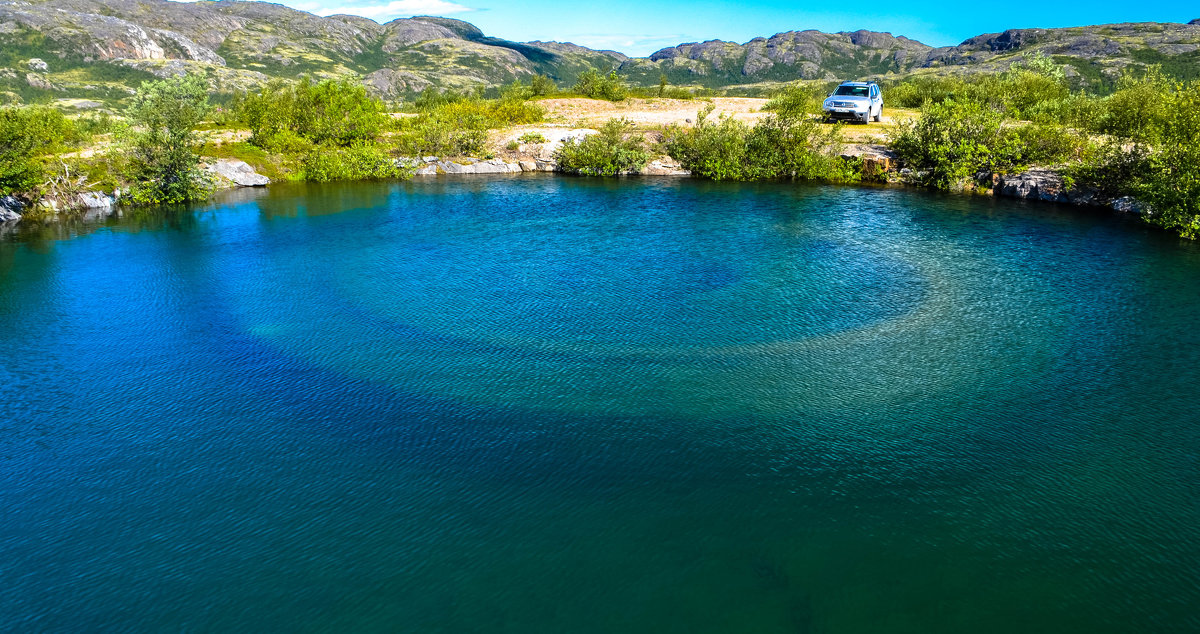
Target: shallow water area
(537, 403)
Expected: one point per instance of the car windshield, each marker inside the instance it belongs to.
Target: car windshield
(851, 91)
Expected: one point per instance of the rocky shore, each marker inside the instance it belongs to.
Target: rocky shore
(1040, 184)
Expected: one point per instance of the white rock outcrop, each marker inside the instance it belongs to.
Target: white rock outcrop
(238, 172)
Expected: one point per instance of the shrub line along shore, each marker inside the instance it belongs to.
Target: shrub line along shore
(1022, 133)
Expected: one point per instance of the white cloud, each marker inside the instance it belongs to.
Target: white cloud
(393, 9)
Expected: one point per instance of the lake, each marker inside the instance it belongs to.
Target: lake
(543, 404)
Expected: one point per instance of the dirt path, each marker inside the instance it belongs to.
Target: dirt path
(657, 113)
(648, 113)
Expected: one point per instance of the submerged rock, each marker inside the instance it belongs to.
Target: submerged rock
(1130, 205)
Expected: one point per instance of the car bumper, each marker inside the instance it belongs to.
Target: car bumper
(845, 113)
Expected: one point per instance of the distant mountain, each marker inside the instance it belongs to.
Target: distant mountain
(783, 57)
(100, 49)
(1090, 53)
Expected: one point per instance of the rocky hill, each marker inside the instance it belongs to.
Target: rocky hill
(1093, 54)
(83, 52)
(98, 49)
(783, 57)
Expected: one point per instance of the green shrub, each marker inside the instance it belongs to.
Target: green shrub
(92, 124)
(1139, 110)
(796, 101)
(359, 161)
(777, 147)
(458, 127)
(614, 150)
(596, 86)
(675, 92)
(951, 142)
(26, 133)
(287, 117)
(542, 86)
(1030, 88)
(432, 98)
(163, 163)
(1164, 175)
(516, 91)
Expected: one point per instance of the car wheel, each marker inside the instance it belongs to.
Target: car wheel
(879, 115)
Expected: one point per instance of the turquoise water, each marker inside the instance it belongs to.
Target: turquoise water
(540, 404)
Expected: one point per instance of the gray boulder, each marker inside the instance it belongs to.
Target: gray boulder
(94, 200)
(10, 209)
(239, 173)
(1128, 205)
(1035, 184)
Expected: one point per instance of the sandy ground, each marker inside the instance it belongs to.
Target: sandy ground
(657, 113)
(569, 117)
(648, 113)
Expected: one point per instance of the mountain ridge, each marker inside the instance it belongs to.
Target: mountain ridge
(99, 50)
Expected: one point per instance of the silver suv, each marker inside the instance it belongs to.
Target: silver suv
(855, 100)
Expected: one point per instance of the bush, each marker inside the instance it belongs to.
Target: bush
(1166, 175)
(1139, 110)
(164, 166)
(542, 86)
(289, 117)
(1030, 88)
(431, 98)
(25, 135)
(596, 86)
(532, 137)
(458, 126)
(796, 101)
(951, 141)
(614, 150)
(360, 161)
(778, 147)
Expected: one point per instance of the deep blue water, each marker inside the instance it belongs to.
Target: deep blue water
(539, 404)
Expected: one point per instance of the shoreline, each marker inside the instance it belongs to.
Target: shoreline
(1040, 185)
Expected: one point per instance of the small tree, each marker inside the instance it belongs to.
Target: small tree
(542, 86)
(592, 84)
(164, 164)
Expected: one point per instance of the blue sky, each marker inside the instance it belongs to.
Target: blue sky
(641, 27)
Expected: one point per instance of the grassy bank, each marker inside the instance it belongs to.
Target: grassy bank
(1141, 139)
